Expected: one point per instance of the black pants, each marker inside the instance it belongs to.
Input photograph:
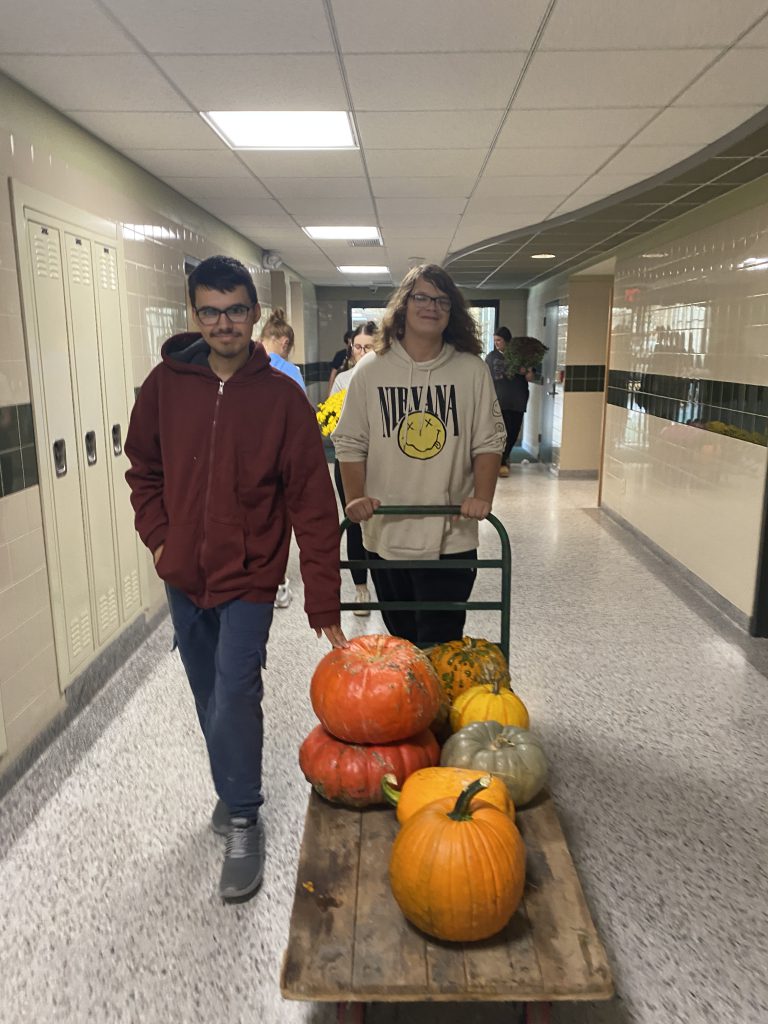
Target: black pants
(354, 533)
(424, 585)
(512, 421)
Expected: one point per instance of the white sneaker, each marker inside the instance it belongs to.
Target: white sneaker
(362, 596)
(283, 597)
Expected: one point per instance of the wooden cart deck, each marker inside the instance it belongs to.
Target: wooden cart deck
(349, 941)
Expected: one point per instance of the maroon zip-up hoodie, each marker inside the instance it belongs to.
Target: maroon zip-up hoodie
(220, 472)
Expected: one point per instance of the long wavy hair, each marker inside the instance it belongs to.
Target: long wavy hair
(461, 332)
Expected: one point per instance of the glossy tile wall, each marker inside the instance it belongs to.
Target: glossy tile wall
(685, 455)
(42, 149)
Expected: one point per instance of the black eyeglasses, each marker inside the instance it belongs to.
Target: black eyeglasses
(442, 302)
(209, 315)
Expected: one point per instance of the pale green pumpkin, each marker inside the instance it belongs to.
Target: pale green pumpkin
(514, 755)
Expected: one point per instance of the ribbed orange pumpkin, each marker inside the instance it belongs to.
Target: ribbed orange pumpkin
(379, 689)
(429, 784)
(457, 868)
(350, 774)
(467, 662)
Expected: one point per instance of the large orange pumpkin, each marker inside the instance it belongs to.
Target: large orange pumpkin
(429, 784)
(467, 662)
(457, 868)
(351, 774)
(378, 689)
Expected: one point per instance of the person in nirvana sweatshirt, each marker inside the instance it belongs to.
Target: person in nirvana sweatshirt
(421, 426)
(225, 458)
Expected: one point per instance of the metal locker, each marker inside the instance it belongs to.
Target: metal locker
(114, 389)
(72, 614)
(93, 450)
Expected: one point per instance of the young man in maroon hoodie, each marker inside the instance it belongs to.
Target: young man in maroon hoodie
(226, 458)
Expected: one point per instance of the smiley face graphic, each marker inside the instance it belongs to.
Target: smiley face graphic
(421, 436)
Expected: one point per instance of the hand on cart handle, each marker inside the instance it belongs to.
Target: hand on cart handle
(474, 508)
(361, 509)
(334, 635)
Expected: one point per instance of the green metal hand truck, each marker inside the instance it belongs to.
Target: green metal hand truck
(504, 563)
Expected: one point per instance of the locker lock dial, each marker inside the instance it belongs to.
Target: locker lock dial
(90, 447)
(60, 457)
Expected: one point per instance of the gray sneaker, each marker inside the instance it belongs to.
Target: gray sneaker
(243, 869)
(220, 819)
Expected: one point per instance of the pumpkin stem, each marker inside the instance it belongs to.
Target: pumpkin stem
(390, 790)
(461, 811)
(496, 684)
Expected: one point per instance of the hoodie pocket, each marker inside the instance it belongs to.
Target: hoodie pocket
(179, 562)
(417, 537)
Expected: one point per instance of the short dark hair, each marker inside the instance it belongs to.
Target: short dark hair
(503, 332)
(368, 329)
(221, 274)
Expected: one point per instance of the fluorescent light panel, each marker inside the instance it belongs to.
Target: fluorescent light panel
(544, 256)
(342, 233)
(363, 270)
(282, 129)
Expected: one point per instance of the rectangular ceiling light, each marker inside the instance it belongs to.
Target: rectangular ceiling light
(342, 233)
(363, 270)
(283, 129)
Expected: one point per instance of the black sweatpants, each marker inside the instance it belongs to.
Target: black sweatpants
(512, 421)
(424, 585)
(354, 533)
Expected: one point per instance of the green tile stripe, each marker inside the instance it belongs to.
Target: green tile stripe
(581, 377)
(18, 453)
(721, 406)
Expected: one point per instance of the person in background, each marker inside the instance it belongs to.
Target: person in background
(278, 341)
(421, 426)
(340, 361)
(511, 392)
(217, 484)
(362, 344)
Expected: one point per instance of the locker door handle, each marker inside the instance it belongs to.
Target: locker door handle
(60, 457)
(90, 447)
(117, 439)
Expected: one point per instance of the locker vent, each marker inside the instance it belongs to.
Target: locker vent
(80, 637)
(130, 591)
(108, 269)
(108, 614)
(46, 256)
(80, 262)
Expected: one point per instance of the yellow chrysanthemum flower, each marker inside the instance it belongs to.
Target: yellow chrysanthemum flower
(328, 412)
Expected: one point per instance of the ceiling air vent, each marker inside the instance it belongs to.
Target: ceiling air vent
(364, 243)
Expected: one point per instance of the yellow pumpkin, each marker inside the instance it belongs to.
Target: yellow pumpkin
(489, 703)
(429, 784)
(468, 662)
(457, 869)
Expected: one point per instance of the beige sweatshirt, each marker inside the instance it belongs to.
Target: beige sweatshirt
(418, 426)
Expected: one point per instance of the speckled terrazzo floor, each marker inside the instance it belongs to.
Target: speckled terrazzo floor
(654, 711)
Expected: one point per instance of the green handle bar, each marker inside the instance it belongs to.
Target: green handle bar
(504, 563)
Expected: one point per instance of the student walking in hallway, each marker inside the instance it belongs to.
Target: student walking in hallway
(216, 487)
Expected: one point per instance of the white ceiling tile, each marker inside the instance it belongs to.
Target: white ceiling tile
(250, 209)
(400, 26)
(305, 164)
(420, 129)
(566, 128)
(424, 163)
(331, 211)
(415, 243)
(149, 130)
(392, 230)
(489, 227)
(429, 81)
(758, 36)
(286, 82)
(67, 26)
(119, 82)
(605, 184)
(318, 188)
(242, 26)
(621, 78)
(529, 206)
(647, 160)
(693, 126)
(739, 78)
(659, 24)
(396, 209)
(574, 202)
(530, 185)
(178, 164)
(422, 187)
(547, 162)
(527, 190)
(218, 188)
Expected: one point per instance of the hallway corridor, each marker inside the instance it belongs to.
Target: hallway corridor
(653, 710)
